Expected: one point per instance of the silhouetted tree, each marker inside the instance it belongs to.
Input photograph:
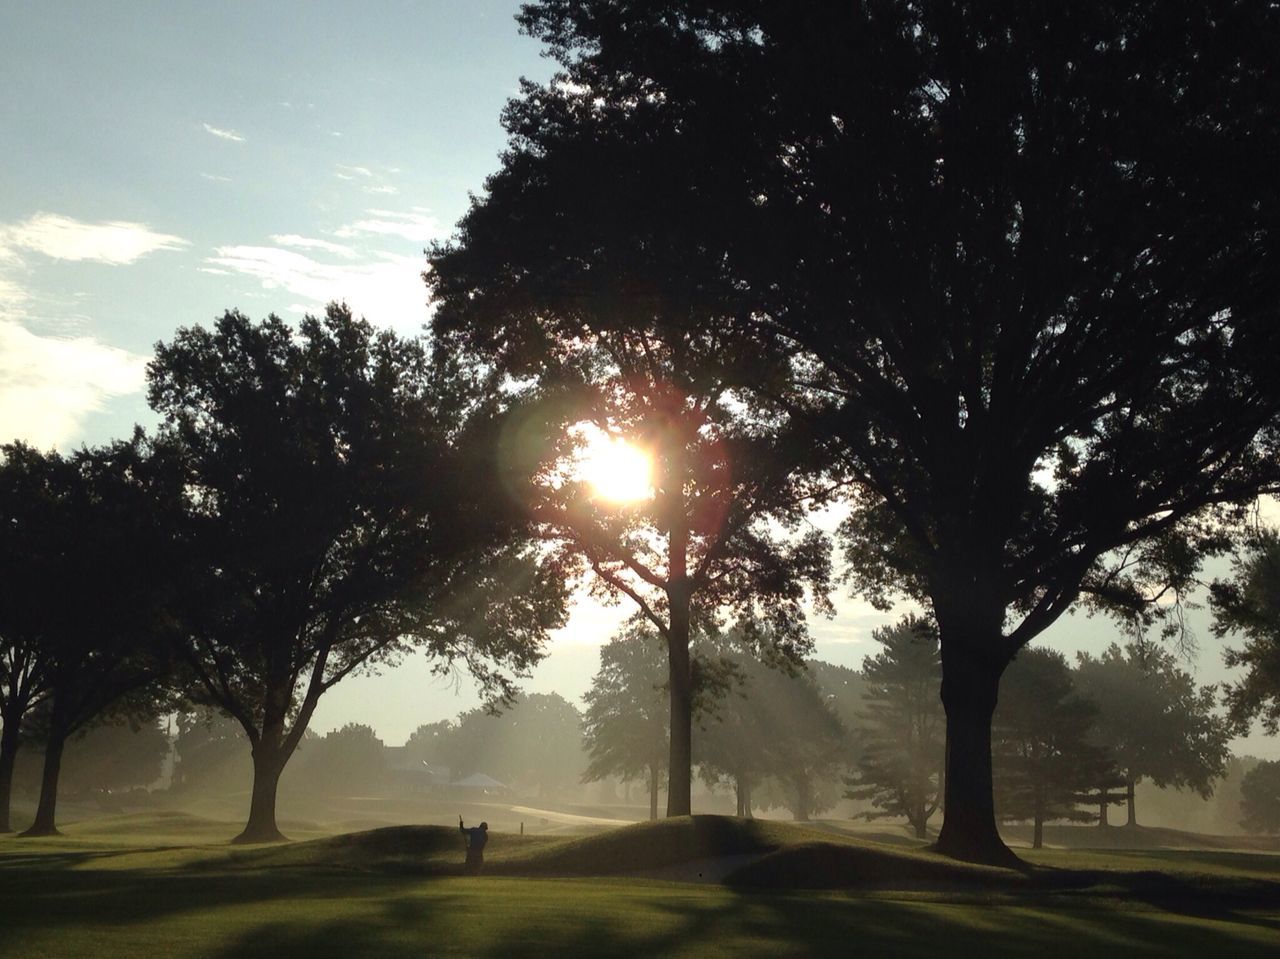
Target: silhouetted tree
(1016, 262)
(1045, 764)
(344, 505)
(642, 356)
(29, 485)
(1152, 720)
(98, 609)
(428, 743)
(1249, 604)
(901, 762)
(114, 756)
(1260, 798)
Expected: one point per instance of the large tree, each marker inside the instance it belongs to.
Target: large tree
(1152, 719)
(1018, 262)
(1045, 762)
(903, 728)
(1249, 604)
(344, 504)
(606, 320)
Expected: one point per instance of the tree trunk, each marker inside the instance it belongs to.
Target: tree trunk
(970, 684)
(9, 742)
(268, 764)
(1102, 811)
(680, 765)
(803, 799)
(919, 821)
(653, 791)
(744, 796)
(45, 824)
(1037, 837)
(1128, 795)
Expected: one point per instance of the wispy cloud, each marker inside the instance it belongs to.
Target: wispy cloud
(309, 243)
(386, 289)
(417, 225)
(216, 178)
(48, 385)
(62, 238)
(384, 189)
(351, 172)
(222, 134)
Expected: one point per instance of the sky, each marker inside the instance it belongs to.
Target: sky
(168, 161)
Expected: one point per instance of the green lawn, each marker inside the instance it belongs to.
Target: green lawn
(168, 886)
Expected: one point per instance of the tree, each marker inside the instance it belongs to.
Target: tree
(350, 761)
(1260, 798)
(536, 742)
(96, 616)
(211, 754)
(900, 769)
(1249, 604)
(1044, 762)
(643, 359)
(1153, 721)
(114, 756)
(344, 505)
(28, 497)
(1015, 262)
(625, 725)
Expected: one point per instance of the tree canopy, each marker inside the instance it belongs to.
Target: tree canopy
(1015, 265)
(1046, 761)
(1153, 720)
(1249, 604)
(342, 507)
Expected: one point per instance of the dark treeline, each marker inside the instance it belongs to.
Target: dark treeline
(1002, 283)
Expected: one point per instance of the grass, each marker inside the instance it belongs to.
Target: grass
(168, 885)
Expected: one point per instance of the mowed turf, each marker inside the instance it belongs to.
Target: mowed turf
(133, 886)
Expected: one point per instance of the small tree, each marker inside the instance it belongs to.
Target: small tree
(344, 504)
(1260, 798)
(1153, 721)
(350, 761)
(900, 769)
(1045, 764)
(99, 611)
(625, 725)
(536, 742)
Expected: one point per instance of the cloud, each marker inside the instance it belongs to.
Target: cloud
(388, 190)
(416, 225)
(48, 385)
(216, 178)
(387, 290)
(60, 237)
(222, 134)
(307, 243)
(350, 172)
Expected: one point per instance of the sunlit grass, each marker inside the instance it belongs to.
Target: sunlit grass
(170, 886)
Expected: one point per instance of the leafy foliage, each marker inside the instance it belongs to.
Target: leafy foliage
(1249, 604)
(342, 507)
(1045, 761)
(1153, 720)
(1260, 798)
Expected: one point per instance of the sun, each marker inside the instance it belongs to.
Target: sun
(616, 470)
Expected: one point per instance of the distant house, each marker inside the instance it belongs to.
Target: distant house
(409, 774)
(481, 783)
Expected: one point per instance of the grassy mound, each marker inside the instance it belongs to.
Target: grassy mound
(829, 865)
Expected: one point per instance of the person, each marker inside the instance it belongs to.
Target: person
(477, 836)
